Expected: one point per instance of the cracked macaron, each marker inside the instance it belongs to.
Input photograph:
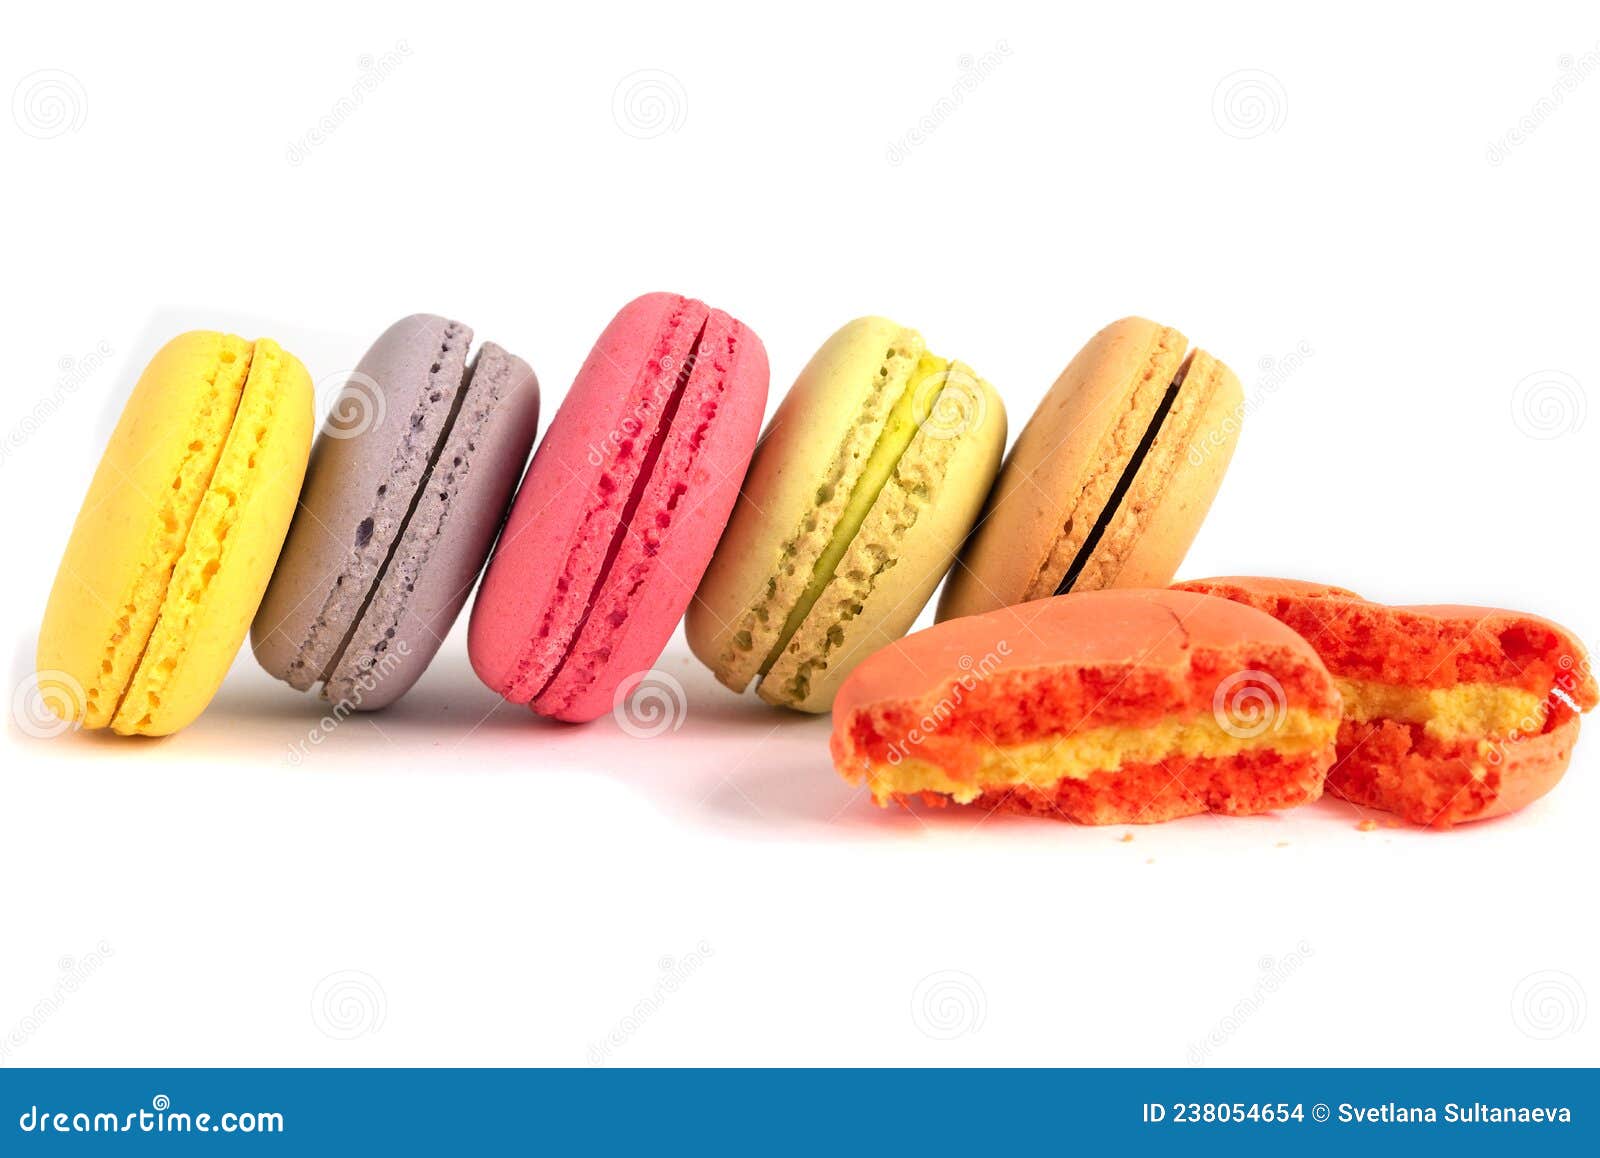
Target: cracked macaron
(1108, 483)
(622, 505)
(177, 538)
(1451, 713)
(865, 484)
(408, 484)
(1106, 707)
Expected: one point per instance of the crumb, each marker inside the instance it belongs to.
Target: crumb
(1150, 860)
(1127, 838)
(1391, 823)
(1367, 825)
(1283, 844)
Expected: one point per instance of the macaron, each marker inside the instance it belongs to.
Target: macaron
(1451, 713)
(1106, 707)
(408, 484)
(867, 480)
(177, 537)
(1110, 479)
(616, 520)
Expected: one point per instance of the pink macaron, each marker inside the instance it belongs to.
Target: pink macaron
(621, 507)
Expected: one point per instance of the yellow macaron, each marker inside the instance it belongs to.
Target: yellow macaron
(865, 483)
(178, 535)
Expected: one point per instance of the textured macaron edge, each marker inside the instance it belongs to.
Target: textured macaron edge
(682, 508)
(229, 552)
(902, 550)
(339, 544)
(802, 478)
(447, 535)
(95, 632)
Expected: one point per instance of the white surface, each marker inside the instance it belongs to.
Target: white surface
(506, 890)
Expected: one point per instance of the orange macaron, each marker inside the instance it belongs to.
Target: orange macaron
(1107, 707)
(1451, 713)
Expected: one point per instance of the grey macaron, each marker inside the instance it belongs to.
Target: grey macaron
(407, 488)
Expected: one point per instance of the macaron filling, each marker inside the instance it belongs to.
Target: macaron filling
(1041, 765)
(899, 429)
(141, 613)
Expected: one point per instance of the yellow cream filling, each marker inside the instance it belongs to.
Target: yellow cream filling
(898, 430)
(1042, 764)
(1463, 711)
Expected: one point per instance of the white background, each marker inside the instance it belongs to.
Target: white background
(456, 882)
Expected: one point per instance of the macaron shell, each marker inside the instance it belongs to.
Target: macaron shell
(230, 551)
(1115, 382)
(697, 479)
(376, 446)
(566, 509)
(448, 536)
(130, 531)
(1158, 518)
(1155, 629)
(904, 548)
(800, 480)
(570, 607)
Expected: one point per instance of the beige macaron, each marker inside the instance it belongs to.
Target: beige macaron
(1110, 480)
(860, 494)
